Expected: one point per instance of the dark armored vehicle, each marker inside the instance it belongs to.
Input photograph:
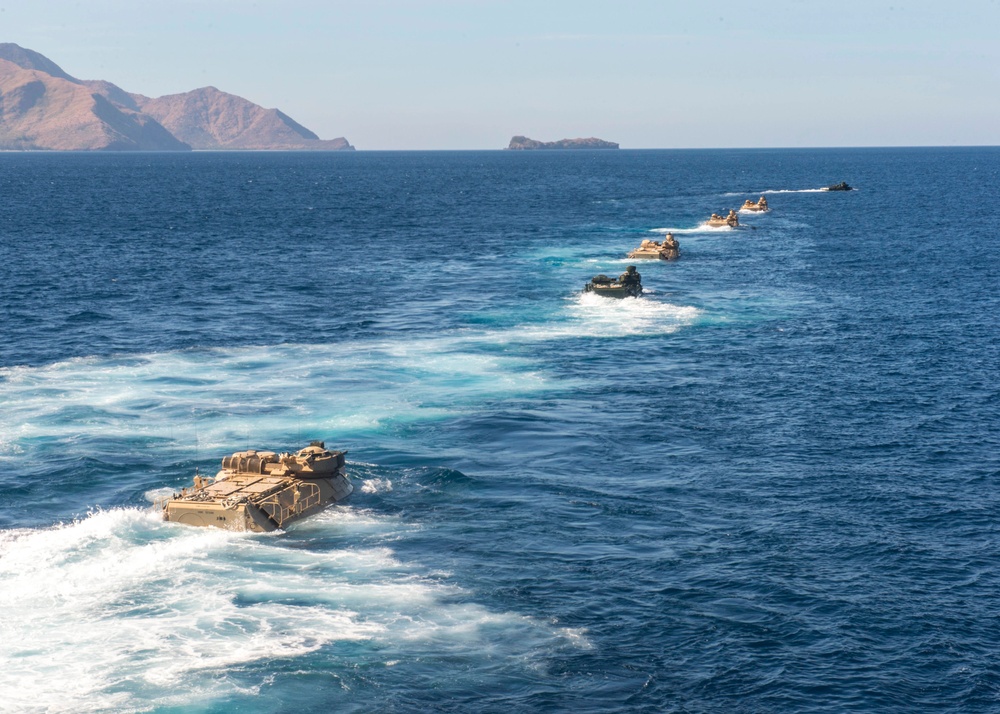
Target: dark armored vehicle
(628, 284)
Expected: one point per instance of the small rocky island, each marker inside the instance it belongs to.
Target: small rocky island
(523, 143)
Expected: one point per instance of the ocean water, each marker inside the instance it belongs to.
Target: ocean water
(770, 484)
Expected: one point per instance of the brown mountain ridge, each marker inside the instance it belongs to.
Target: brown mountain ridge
(44, 108)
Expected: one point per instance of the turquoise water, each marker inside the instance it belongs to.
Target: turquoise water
(767, 485)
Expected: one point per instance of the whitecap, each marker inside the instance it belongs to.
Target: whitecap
(701, 228)
(795, 190)
(178, 612)
(376, 485)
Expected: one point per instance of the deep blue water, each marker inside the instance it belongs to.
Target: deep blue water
(770, 484)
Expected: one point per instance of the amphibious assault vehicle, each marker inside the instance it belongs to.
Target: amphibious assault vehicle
(717, 221)
(669, 249)
(628, 284)
(760, 205)
(263, 490)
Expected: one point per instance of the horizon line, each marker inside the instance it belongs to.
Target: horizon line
(356, 150)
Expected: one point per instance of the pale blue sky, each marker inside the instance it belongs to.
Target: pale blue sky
(469, 74)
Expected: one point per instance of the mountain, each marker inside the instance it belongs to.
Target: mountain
(39, 110)
(523, 143)
(44, 108)
(209, 119)
(29, 59)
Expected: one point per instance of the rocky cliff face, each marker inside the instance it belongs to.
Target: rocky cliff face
(44, 108)
(523, 143)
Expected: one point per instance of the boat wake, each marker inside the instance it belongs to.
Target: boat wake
(605, 317)
(701, 228)
(214, 398)
(217, 397)
(796, 190)
(776, 190)
(165, 615)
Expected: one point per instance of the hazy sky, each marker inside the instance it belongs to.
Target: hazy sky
(469, 74)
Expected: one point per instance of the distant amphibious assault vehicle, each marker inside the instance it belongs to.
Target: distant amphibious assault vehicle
(759, 205)
(262, 490)
(717, 221)
(669, 249)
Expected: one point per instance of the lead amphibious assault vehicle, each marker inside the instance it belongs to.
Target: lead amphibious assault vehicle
(263, 490)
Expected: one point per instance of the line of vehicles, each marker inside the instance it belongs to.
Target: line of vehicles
(629, 283)
(263, 491)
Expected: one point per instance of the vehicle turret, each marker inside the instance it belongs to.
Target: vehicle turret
(263, 490)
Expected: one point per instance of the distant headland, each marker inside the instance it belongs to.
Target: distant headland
(523, 143)
(42, 108)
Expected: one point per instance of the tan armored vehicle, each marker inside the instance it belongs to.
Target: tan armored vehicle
(669, 249)
(717, 221)
(749, 205)
(262, 490)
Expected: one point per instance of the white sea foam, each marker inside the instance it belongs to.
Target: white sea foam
(576, 635)
(214, 398)
(776, 190)
(122, 612)
(206, 401)
(630, 316)
(590, 315)
(701, 228)
(796, 190)
(376, 485)
(156, 495)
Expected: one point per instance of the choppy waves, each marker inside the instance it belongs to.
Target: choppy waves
(215, 398)
(120, 610)
(169, 616)
(764, 486)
